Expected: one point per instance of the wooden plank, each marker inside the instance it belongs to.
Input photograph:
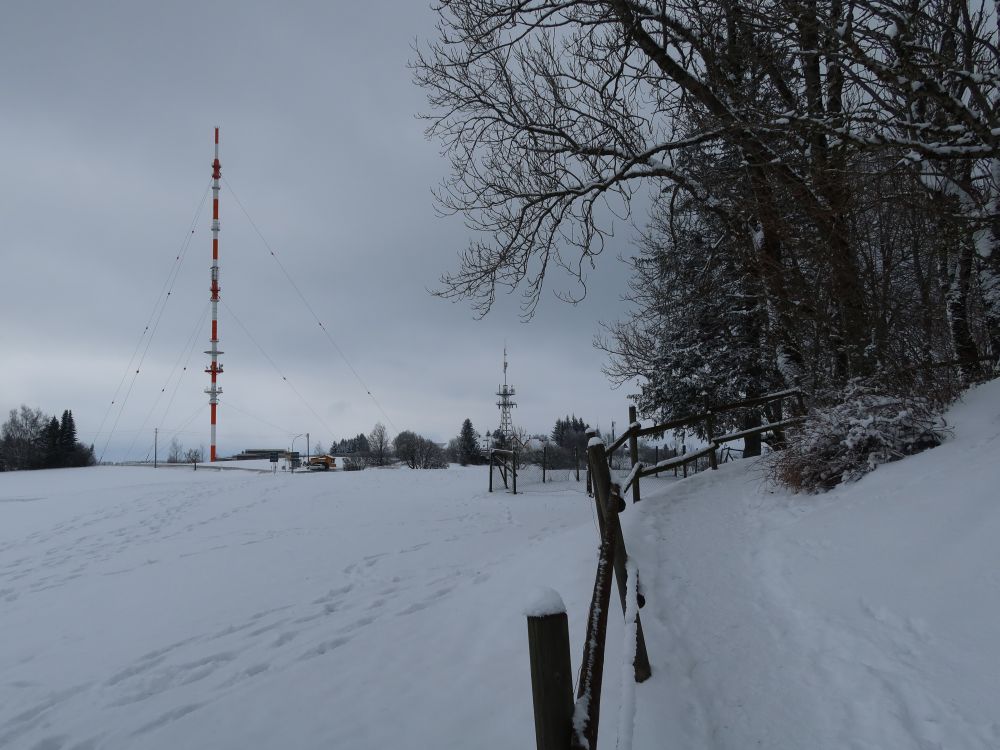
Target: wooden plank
(588, 693)
(693, 419)
(633, 450)
(676, 461)
(619, 442)
(608, 519)
(758, 400)
(728, 438)
(671, 425)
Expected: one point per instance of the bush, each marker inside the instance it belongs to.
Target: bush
(418, 452)
(352, 463)
(843, 442)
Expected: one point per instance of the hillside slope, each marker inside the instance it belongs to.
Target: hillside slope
(863, 618)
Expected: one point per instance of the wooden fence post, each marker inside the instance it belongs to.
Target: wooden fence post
(545, 453)
(590, 481)
(551, 680)
(491, 470)
(633, 449)
(576, 460)
(513, 467)
(607, 517)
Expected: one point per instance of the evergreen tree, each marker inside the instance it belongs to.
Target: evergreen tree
(361, 444)
(570, 433)
(67, 434)
(468, 445)
(54, 455)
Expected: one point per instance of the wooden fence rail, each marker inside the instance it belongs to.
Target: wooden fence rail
(705, 419)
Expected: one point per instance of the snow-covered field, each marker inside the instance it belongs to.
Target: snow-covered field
(145, 608)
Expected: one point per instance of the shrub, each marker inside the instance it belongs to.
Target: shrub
(352, 463)
(843, 442)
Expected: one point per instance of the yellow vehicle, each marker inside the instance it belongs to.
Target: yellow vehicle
(322, 463)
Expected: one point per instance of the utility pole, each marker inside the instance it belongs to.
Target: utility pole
(156, 440)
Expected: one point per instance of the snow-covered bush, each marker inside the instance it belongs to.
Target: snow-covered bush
(845, 441)
(352, 463)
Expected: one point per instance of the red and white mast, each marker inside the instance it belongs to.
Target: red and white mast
(215, 368)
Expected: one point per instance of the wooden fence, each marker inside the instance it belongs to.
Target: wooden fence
(559, 722)
(548, 641)
(707, 420)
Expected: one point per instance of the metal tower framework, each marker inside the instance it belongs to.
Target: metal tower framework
(505, 403)
(215, 368)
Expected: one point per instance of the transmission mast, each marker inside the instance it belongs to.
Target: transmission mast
(215, 367)
(505, 393)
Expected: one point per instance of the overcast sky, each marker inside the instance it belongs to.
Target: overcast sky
(105, 151)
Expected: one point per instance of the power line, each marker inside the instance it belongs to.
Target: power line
(308, 306)
(188, 345)
(275, 366)
(154, 321)
(191, 347)
(231, 405)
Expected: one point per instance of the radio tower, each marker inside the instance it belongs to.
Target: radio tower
(215, 368)
(506, 403)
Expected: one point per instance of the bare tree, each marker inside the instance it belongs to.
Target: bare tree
(175, 453)
(771, 117)
(379, 445)
(22, 438)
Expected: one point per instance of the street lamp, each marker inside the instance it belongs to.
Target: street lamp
(293, 447)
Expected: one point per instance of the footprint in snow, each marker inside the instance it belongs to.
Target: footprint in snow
(324, 647)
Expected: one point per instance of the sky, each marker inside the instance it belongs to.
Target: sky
(106, 143)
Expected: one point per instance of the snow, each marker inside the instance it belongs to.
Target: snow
(626, 709)
(865, 617)
(544, 601)
(631, 475)
(175, 608)
(172, 608)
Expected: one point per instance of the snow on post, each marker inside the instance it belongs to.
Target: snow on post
(543, 601)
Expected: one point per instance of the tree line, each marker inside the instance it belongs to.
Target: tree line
(31, 440)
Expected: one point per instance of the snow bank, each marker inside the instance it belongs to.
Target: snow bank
(866, 617)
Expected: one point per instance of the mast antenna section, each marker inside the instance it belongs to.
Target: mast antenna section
(214, 368)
